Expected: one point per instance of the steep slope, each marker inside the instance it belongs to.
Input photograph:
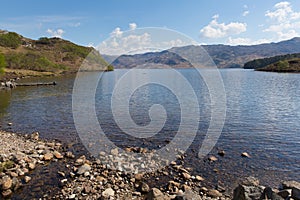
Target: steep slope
(45, 55)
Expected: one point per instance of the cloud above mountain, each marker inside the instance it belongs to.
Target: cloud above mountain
(56, 33)
(220, 30)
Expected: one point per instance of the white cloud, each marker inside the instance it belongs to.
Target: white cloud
(120, 44)
(288, 35)
(218, 30)
(56, 33)
(132, 26)
(245, 41)
(141, 41)
(174, 43)
(283, 21)
(245, 13)
(282, 12)
(117, 32)
(239, 41)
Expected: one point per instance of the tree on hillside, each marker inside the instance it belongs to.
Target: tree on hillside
(11, 39)
(283, 64)
(2, 63)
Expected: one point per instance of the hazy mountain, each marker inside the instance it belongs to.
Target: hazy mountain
(225, 56)
(151, 59)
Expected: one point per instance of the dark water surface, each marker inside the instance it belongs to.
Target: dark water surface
(263, 119)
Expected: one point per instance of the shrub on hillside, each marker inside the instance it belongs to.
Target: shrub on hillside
(2, 63)
(12, 40)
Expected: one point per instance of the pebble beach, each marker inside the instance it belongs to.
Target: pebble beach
(85, 177)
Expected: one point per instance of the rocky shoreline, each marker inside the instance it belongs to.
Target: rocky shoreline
(91, 178)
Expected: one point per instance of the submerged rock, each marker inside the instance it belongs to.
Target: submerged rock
(83, 169)
(221, 153)
(212, 158)
(245, 155)
(27, 179)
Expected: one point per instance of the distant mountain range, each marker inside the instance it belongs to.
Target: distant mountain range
(224, 56)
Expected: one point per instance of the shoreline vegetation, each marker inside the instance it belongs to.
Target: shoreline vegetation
(289, 63)
(91, 178)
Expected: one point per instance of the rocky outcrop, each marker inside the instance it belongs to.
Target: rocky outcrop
(7, 84)
(250, 189)
(293, 187)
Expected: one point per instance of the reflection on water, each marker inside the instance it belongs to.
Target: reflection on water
(263, 119)
(4, 101)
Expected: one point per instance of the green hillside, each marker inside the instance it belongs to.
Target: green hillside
(53, 55)
(292, 65)
(263, 62)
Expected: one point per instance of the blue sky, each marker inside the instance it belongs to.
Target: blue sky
(208, 22)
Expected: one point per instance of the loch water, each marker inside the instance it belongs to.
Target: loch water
(262, 119)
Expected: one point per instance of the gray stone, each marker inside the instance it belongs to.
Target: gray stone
(114, 152)
(144, 187)
(69, 154)
(109, 192)
(6, 193)
(245, 155)
(27, 179)
(295, 186)
(35, 135)
(212, 158)
(80, 161)
(84, 168)
(6, 183)
(72, 196)
(285, 193)
(290, 184)
(57, 155)
(48, 156)
(269, 194)
(243, 192)
(138, 177)
(186, 176)
(214, 193)
(189, 194)
(221, 153)
(250, 181)
(16, 184)
(155, 194)
(31, 166)
(296, 193)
